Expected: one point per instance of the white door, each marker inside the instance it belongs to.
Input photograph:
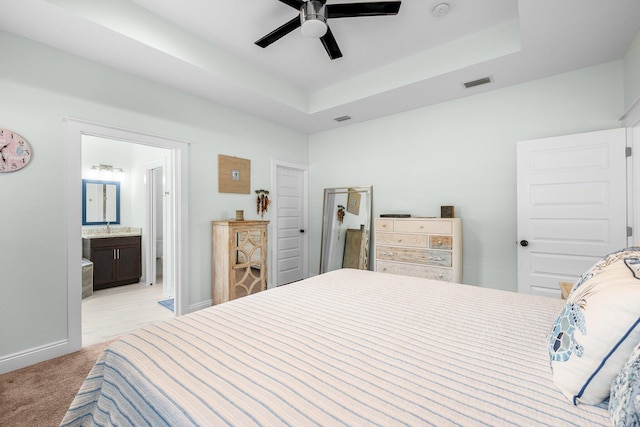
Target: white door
(572, 206)
(290, 240)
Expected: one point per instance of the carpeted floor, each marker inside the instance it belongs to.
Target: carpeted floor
(39, 395)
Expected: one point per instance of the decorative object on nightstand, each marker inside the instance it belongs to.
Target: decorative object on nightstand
(239, 259)
(15, 152)
(239, 215)
(447, 212)
(420, 247)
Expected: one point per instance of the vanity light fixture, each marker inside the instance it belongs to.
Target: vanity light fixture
(107, 172)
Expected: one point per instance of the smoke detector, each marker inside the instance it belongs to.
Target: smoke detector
(440, 10)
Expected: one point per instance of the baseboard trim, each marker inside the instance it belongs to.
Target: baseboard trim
(200, 305)
(35, 355)
(32, 356)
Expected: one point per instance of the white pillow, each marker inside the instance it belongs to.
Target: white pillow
(624, 401)
(598, 328)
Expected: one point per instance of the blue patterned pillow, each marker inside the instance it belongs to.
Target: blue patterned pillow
(624, 402)
(598, 328)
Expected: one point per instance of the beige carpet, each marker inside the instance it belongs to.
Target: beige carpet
(39, 395)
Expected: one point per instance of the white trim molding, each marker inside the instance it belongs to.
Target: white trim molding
(75, 128)
(35, 355)
(631, 117)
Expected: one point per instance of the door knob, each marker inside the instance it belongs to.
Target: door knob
(524, 243)
(302, 231)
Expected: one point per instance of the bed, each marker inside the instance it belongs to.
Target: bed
(348, 347)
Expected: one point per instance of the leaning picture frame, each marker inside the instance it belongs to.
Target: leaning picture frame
(353, 202)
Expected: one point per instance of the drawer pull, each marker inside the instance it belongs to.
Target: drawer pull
(388, 253)
(436, 258)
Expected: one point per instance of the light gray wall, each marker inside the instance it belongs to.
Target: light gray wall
(462, 153)
(632, 73)
(41, 86)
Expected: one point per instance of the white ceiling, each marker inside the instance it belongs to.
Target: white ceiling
(390, 63)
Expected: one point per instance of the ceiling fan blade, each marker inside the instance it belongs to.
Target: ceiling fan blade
(279, 32)
(296, 4)
(330, 45)
(350, 10)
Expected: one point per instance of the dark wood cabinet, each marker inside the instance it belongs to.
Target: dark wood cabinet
(116, 260)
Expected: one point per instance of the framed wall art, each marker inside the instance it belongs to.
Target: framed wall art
(234, 174)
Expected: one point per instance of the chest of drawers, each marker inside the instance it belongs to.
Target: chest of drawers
(420, 247)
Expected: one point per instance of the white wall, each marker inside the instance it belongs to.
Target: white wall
(41, 86)
(462, 153)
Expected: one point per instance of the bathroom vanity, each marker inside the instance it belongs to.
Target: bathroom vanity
(117, 259)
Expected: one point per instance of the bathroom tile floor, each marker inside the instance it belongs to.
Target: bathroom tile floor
(111, 312)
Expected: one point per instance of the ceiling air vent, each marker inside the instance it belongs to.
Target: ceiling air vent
(342, 118)
(478, 82)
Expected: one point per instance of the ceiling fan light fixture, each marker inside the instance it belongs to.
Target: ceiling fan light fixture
(314, 28)
(313, 19)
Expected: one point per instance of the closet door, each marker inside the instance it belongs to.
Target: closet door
(572, 206)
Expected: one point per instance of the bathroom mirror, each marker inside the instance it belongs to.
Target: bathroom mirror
(100, 202)
(346, 225)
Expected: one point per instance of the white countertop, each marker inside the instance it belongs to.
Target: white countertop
(113, 231)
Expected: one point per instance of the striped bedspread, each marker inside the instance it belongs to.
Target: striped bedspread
(348, 347)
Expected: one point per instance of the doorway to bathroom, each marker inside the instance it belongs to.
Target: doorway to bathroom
(174, 251)
(140, 208)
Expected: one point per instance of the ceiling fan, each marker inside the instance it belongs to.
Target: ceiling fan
(313, 20)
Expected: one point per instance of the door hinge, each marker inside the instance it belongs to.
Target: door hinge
(628, 151)
(629, 231)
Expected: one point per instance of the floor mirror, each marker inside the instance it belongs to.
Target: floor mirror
(346, 226)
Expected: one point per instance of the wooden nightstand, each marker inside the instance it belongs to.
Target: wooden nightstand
(239, 259)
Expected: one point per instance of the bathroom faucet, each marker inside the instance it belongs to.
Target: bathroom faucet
(108, 227)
